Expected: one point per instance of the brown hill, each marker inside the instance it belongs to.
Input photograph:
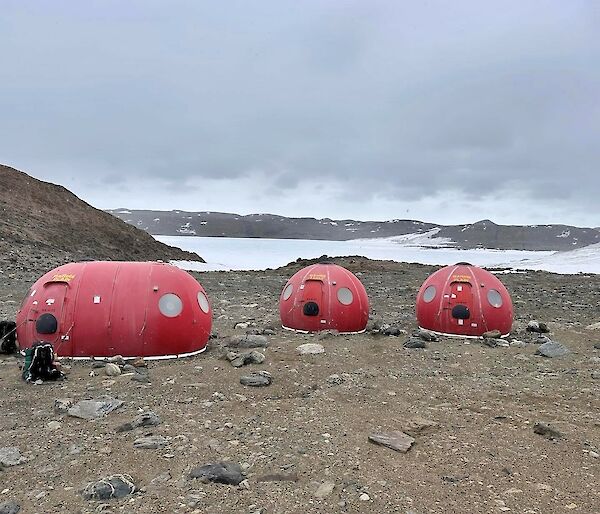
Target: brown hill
(43, 225)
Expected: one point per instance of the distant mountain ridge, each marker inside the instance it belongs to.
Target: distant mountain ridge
(482, 234)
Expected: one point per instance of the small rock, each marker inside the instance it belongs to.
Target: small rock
(240, 359)
(596, 375)
(10, 507)
(335, 379)
(418, 425)
(221, 472)
(310, 349)
(54, 425)
(113, 486)
(427, 335)
(139, 377)
(492, 334)
(62, 405)
(117, 359)
(139, 363)
(128, 368)
(413, 342)
(398, 441)
(327, 334)
(247, 341)
(536, 326)
(11, 456)
(392, 330)
(552, 349)
(112, 370)
(257, 379)
(597, 346)
(152, 442)
(594, 455)
(147, 419)
(547, 431)
(364, 497)
(325, 489)
(93, 409)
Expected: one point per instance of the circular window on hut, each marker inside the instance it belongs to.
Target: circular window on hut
(170, 305)
(287, 292)
(429, 294)
(495, 298)
(344, 295)
(203, 302)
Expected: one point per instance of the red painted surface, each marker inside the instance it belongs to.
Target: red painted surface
(467, 286)
(112, 308)
(320, 284)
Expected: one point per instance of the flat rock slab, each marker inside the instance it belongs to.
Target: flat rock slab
(113, 486)
(10, 507)
(257, 379)
(426, 335)
(398, 441)
(415, 342)
(325, 489)
(228, 473)
(151, 442)
(552, 349)
(94, 409)
(11, 456)
(247, 341)
(147, 419)
(310, 349)
(547, 431)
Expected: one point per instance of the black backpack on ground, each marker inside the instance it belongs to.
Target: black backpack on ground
(39, 363)
(8, 337)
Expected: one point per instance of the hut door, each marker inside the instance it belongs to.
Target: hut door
(312, 307)
(45, 319)
(460, 312)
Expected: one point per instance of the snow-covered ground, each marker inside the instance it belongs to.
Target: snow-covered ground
(228, 253)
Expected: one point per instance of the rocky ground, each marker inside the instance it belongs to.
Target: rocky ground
(302, 442)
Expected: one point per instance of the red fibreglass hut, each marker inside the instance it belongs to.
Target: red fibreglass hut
(101, 309)
(464, 300)
(324, 296)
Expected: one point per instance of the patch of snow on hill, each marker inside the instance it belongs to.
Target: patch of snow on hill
(581, 260)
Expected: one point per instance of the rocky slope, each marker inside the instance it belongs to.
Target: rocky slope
(43, 221)
(483, 234)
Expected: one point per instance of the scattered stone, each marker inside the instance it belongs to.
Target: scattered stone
(151, 442)
(597, 346)
(418, 425)
(222, 472)
(325, 489)
(257, 379)
(552, 349)
(596, 375)
(364, 497)
(9, 507)
(392, 330)
(536, 326)
(398, 441)
(414, 342)
(594, 455)
(240, 359)
(94, 409)
(62, 405)
(427, 335)
(11, 456)
(247, 341)
(327, 334)
(139, 377)
(492, 334)
(113, 486)
(335, 379)
(147, 419)
(54, 425)
(547, 431)
(128, 368)
(489, 341)
(594, 326)
(117, 359)
(112, 370)
(139, 363)
(310, 349)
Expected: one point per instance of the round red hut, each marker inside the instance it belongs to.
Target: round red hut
(101, 309)
(464, 300)
(324, 296)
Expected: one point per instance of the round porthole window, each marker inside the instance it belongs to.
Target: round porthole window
(170, 305)
(345, 296)
(495, 298)
(203, 302)
(429, 294)
(287, 292)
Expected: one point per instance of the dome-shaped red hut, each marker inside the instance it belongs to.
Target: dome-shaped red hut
(464, 300)
(101, 309)
(324, 296)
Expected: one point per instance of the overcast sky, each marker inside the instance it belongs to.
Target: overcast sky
(444, 111)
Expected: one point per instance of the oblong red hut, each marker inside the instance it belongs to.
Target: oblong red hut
(324, 296)
(102, 309)
(464, 300)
